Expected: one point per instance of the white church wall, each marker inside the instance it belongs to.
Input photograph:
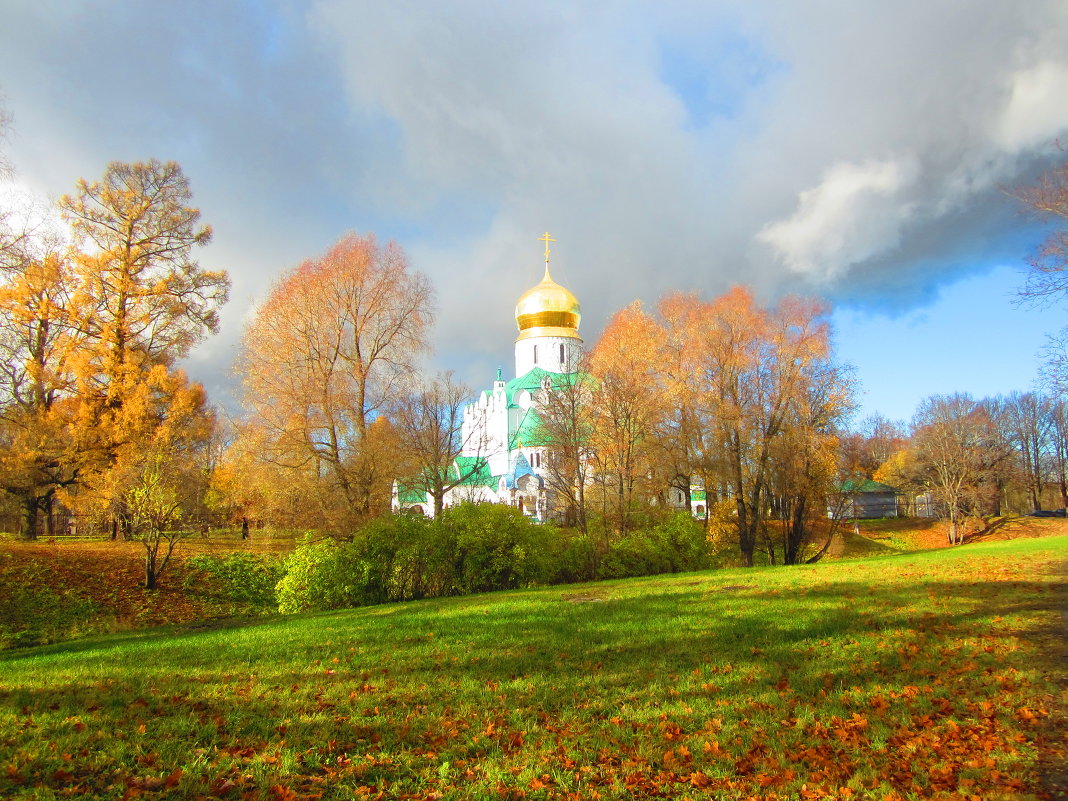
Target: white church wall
(545, 352)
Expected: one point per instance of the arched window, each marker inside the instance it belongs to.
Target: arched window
(535, 354)
(561, 354)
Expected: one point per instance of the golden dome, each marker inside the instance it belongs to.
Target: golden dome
(547, 309)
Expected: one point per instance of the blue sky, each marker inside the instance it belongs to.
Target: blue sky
(853, 151)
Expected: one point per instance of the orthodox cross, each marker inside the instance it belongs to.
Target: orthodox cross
(546, 239)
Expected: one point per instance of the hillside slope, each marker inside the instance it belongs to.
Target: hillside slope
(928, 675)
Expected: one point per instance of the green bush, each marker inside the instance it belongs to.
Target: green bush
(404, 557)
(240, 577)
(470, 548)
(676, 543)
(322, 575)
(33, 614)
(497, 547)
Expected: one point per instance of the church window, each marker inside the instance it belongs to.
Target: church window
(535, 354)
(561, 354)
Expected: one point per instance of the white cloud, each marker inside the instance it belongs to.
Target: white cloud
(855, 212)
(1037, 111)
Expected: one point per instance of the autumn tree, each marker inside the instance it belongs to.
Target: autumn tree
(752, 379)
(139, 301)
(332, 344)
(35, 380)
(429, 422)
(865, 448)
(805, 465)
(141, 298)
(628, 408)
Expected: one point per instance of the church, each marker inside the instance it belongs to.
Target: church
(500, 456)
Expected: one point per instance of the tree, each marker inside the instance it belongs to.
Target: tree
(156, 512)
(565, 427)
(1047, 281)
(867, 447)
(751, 380)
(332, 344)
(805, 465)
(141, 299)
(958, 450)
(429, 423)
(1029, 424)
(628, 408)
(35, 381)
(1048, 199)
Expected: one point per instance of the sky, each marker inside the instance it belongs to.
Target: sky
(859, 152)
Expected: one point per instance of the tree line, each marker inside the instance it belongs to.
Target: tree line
(742, 400)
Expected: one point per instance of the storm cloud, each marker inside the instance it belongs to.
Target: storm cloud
(855, 150)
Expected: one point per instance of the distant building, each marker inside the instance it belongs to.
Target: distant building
(864, 500)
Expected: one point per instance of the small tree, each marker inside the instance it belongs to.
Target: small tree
(156, 511)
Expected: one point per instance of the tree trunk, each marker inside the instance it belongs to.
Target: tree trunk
(28, 517)
(150, 569)
(48, 507)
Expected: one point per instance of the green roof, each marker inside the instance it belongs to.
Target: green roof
(476, 469)
(533, 380)
(529, 434)
(408, 495)
(865, 486)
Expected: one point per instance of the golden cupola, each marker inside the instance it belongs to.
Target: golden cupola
(547, 309)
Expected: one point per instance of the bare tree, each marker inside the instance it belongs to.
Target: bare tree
(429, 422)
(1048, 199)
(565, 427)
(958, 450)
(1028, 420)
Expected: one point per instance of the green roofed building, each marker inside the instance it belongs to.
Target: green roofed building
(864, 499)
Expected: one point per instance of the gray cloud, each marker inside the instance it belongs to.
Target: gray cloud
(851, 149)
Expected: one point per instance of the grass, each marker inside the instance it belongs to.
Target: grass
(927, 675)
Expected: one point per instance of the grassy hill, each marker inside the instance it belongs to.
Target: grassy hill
(925, 675)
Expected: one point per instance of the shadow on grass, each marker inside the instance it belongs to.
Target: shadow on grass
(636, 649)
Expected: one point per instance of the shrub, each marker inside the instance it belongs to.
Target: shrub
(471, 548)
(676, 543)
(497, 547)
(321, 575)
(404, 557)
(240, 577)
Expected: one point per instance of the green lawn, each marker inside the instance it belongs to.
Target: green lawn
(927, 675)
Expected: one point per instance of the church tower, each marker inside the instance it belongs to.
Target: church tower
(548, 319)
